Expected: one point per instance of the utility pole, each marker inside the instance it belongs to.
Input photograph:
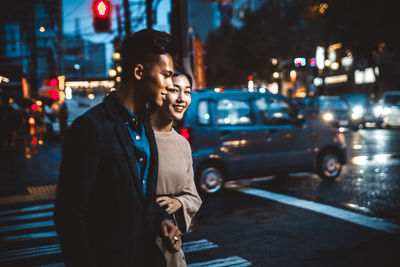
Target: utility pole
(149, 13)
(118, 10)
(127, 15)
(179, 29)
(33, 49)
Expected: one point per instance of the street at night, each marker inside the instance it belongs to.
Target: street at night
(199, 133)
(258, 222)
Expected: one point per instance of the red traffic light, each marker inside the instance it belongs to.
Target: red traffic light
(101, 8)
(101, 16)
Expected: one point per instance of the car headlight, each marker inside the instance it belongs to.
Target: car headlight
(328, 116)
(358, 110)
(355, 116)
(378, 111)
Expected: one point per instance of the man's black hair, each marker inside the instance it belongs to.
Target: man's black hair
(144, 47)
(179, 70)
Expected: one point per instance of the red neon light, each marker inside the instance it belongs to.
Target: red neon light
(53, 83)
(54, 94)
(34, 107)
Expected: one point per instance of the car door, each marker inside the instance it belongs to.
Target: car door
(285, 143)
(239, 137)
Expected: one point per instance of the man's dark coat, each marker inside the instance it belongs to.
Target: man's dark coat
(101, 216)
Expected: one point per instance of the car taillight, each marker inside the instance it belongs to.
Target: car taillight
(185, 132)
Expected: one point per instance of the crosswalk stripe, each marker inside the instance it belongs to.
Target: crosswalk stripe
(29, 236)
(230, 261)
(198, 245)
(25, 226)
(59, 264)
(28, 209)
(29, 252)
(27, 216)
(187, 247)
(353, 217)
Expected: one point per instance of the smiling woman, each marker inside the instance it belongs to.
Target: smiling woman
(176, 190)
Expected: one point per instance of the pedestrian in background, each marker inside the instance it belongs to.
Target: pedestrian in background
(8, 132)
(176, 190)
(106, 212)
(63, 114)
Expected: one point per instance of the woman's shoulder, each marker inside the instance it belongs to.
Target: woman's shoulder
(181, 140)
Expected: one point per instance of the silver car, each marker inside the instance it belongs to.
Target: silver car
(241, 134)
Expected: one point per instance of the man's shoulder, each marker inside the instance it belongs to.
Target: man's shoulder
(95, 115)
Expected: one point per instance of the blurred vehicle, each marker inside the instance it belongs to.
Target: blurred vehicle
(388, 109)
(362, 106)
(302, 102)
(239, 134)
(334, 111)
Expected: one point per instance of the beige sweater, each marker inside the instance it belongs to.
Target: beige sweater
(175, 175)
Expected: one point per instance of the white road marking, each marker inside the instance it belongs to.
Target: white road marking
(230, 261)
(28, 209)
(29, 252)
(360, 219)
(198, 245)
(23, 237)
(24, 226)
(27, 217)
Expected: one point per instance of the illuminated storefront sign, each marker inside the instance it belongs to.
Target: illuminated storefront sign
(336, 79)
(90, 84)
(366, 76)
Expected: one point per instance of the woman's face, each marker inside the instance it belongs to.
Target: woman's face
(178, 98)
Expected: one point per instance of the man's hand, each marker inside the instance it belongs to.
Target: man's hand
(172, 232)
(172, 204)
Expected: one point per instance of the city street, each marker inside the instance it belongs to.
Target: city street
(257, 88)
(296, 220)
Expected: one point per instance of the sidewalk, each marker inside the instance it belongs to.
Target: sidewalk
(31, 172)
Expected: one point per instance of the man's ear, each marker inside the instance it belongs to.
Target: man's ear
(138, 72)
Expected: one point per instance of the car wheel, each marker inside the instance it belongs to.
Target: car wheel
(329, 165)
(210, 179)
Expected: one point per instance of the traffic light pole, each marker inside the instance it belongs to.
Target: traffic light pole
(149, 11)
(127, 15)
(179, 29)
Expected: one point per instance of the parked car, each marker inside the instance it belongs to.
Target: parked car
(388, 109)
(334, 111)
(362, 106)
(241, 134)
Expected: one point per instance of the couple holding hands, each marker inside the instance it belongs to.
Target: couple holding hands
(126, 192)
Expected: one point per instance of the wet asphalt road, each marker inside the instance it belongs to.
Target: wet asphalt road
(235, 229)
(369, 182)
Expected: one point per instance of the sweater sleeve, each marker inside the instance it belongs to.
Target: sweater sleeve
(189, 198)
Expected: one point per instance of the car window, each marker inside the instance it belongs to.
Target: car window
(203, 113)
(334, 104)
(392, 100)
(233, 112)
(274, 111)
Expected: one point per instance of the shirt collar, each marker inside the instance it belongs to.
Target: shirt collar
(126, 114)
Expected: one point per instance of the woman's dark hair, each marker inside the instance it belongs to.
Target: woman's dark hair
(179, 70)
(144, 47)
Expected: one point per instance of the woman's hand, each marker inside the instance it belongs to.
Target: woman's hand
(171, 204)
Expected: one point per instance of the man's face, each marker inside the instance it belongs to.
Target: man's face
(157, 79)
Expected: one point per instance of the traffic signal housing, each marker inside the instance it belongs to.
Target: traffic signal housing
(101, 16)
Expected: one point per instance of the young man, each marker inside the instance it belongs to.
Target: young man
(106, 213)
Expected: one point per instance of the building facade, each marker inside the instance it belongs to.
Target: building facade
(30, 42)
